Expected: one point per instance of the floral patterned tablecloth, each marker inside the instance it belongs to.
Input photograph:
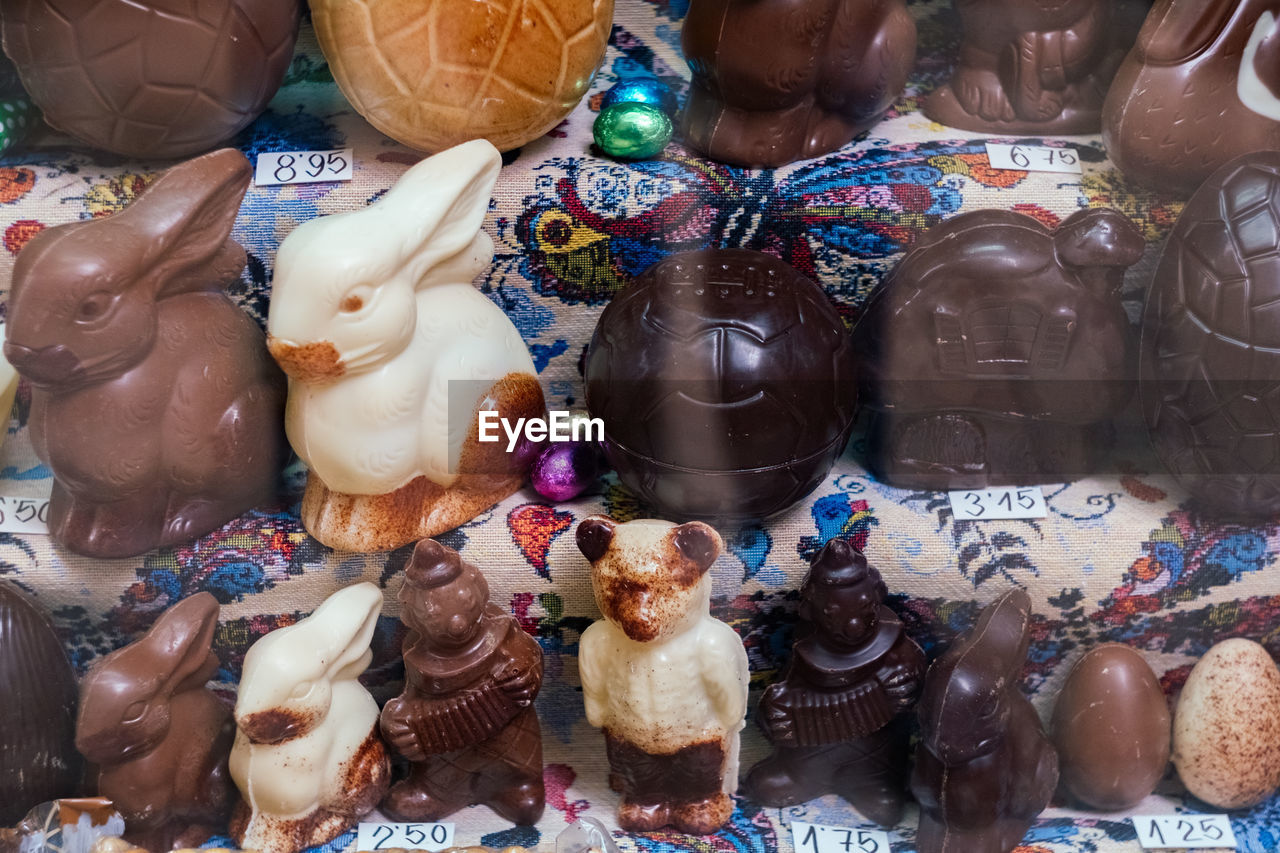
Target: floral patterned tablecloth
(1119, 557)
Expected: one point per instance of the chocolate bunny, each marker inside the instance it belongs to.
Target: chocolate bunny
(985, 767)
(159, 737)
(154, 400)
(1200, 88)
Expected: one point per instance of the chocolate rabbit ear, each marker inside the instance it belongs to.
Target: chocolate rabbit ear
(1002, 635)
(1175, 31)
(185, 218)
(180, 641)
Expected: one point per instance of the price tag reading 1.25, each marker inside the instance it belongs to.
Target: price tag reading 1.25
(304, 167)
(816, 838)
(997, 504)
(1185, 832)
(1033, 158)
(24, 515)
(404, 836)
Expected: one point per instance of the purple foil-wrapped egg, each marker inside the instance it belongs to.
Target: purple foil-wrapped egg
(566, 470)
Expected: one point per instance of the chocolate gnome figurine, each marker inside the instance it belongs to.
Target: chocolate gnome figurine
(465, 719)
(985, 767)
(831, 717)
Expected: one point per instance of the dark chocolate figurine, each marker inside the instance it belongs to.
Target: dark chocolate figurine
(159, 737)
(465, 719)
(984, 767)
(998, 351)
(831, 717)
(776, 81)
(1033, 66)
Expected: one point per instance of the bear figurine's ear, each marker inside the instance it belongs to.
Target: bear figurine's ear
(594, 536)
(699, 542)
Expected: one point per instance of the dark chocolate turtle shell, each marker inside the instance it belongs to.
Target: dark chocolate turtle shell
(150, 78)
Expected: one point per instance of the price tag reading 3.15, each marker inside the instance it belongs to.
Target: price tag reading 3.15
(816, 838)
(404, 836)
(1033, 158)
(304, 167)
(24, 515)
(1185, 832)
(998, 504)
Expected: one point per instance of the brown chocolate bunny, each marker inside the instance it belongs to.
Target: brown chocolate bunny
(154, 400)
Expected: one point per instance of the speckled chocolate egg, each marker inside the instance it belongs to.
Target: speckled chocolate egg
(151, 78)
(1226, 729)
(1111, 729)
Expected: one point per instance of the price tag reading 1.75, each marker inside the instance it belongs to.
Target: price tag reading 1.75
(997, 504)
(304, 167)
(1185, 832)
(1033, 158)
(816, 838)
(404, 836)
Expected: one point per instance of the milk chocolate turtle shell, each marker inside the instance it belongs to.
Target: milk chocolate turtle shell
(150, 78)
(435, 73)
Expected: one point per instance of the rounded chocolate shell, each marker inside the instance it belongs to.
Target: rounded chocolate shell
(151, 78)
(38, 758)
(725, 382)
(1210, 363)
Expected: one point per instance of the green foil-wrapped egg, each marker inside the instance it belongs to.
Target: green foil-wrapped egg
(632, 131)
(15, 119)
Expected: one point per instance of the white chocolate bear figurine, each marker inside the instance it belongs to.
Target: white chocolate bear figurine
(373, 317)
(666, 682)
(308, 759)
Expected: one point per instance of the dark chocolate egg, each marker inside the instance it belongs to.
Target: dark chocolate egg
(1210, 363)
(151, 78)
(725, 382)
(38, 758)
(1111, 727)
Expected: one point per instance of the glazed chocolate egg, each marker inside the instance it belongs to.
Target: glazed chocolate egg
(1210, 363)
(1226, 729)
(151, 78)
(1111, 729)
(725, 382)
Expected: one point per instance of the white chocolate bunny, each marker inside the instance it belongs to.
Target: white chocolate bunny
(373, 316)
(307, 758)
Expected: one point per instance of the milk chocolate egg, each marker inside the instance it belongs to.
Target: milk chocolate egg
(1111, 729)
(1226, 729)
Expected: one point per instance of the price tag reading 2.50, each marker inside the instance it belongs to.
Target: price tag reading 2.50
(996, 504)
(404, 836)
(1185, 832)
(24, 515)
(816, 838)
(304, 167)
(1032, 158)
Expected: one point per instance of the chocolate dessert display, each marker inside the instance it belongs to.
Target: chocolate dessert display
(1210, 364)
(1200, 88)
(307, 758)
(465, 720)
(998, 351)
(436, 74)
(665, 681)
(38, 758)
(148, 78)
(832, 715)
(984, 768)
(154, 401)
(157, 735)
(1034, 66)
(725, 382)
(775, 82)
(375, 320)
(1111, 728)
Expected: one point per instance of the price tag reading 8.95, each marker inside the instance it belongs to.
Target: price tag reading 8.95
(1185, 832)
(997, 504)
(404, 836)
(1033, 158)
(304, 167)
(816, 838)
(24, 515)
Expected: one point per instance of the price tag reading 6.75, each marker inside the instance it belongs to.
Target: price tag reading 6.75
(304, 167)
(1032, 158)
(1185, 832)
(404, 836)
(816, 838)
(996, 504)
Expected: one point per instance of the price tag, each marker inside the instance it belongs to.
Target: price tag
(1033, 158)
(1185, 832)
(24, 515)
(404, 836)
(1008, 502)
(816, 838)
(304, 167)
